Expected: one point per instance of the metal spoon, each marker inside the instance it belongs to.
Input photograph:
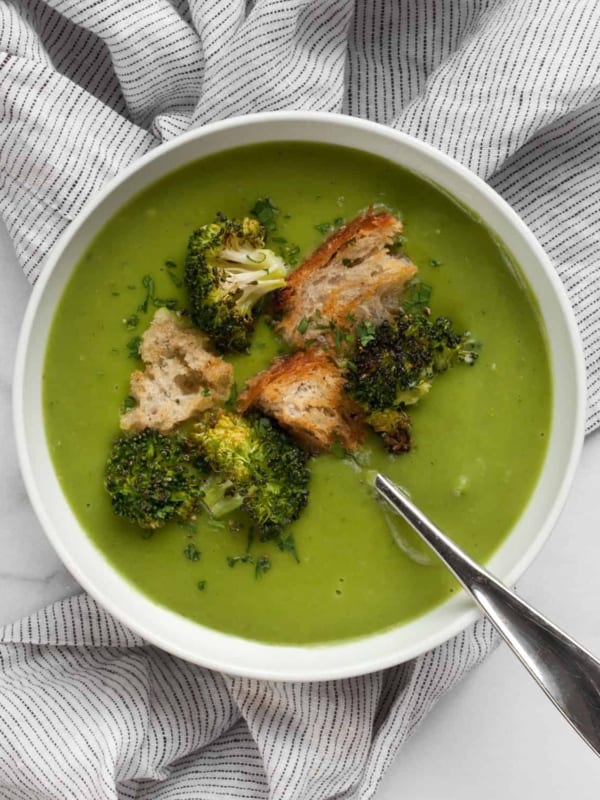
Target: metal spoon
(568, 674)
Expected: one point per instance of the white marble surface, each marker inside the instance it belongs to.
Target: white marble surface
(495, 736)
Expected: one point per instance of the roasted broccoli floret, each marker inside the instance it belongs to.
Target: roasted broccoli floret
(262, 465)
(394, 427)
(228, 270)
(394, 366)
(151, 479)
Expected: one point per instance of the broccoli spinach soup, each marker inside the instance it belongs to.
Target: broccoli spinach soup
(479, 436)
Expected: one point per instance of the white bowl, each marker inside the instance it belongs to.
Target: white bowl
(219, 650)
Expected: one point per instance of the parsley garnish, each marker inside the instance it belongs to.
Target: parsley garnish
(201, 585)
(327, 227)
(191, 552)
(365, 332)
(419, 297)
(266, 212)
(302, 326)
(133, 347)
(231, 400)
(171, 265)
(243, 559)
(290, 253)
(131, 322)
(396, 246)
(261, 564)
(170, 303)
(148, 284)
(128, 403)
(288, 545)
(433, 262)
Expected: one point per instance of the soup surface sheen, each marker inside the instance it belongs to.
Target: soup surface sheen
(479, 436)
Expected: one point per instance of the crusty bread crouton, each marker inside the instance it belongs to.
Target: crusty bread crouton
(182, 377)
(304, 393)
(352, 276)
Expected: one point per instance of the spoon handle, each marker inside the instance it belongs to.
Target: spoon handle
(568, 674)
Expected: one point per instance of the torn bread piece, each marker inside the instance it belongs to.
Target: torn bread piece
(182, 376)
(352, 277)
(304, 393)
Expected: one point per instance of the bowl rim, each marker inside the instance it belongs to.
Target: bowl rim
(299, 666)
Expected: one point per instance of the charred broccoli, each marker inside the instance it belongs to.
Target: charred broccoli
(393, 367)
(394, 427)
(262, 465)
(151, 479)
(227, 271)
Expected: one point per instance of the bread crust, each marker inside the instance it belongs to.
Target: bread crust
(304, 393)
(349, 278)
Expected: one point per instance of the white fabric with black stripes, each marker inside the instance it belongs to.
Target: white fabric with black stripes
(511, 88)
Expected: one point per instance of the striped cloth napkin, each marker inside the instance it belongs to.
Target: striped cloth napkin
(511, 88)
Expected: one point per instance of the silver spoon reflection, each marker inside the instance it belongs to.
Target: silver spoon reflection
(568, 674)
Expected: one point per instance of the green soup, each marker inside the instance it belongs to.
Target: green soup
(479, 436)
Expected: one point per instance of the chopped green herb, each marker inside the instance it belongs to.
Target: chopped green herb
(263, 564)
(266, 212)
(290, 253)
(365, 332)
(133, 347)
(175, 280)
(191, 552)
(396, 246)
(206, 392)
(128, 403)
(302, 326)
(418, 298)
(288, 545)
(232, 399)
(433, 262)
(246, 558)
(327, 227)
(131, 322)
(170, 264)
(341, 337)
(201, 585)
(170, 303)
(148, 284)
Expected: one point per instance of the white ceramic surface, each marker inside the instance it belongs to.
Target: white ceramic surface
(211, 648)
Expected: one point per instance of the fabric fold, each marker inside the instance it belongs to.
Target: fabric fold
(107, 716)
